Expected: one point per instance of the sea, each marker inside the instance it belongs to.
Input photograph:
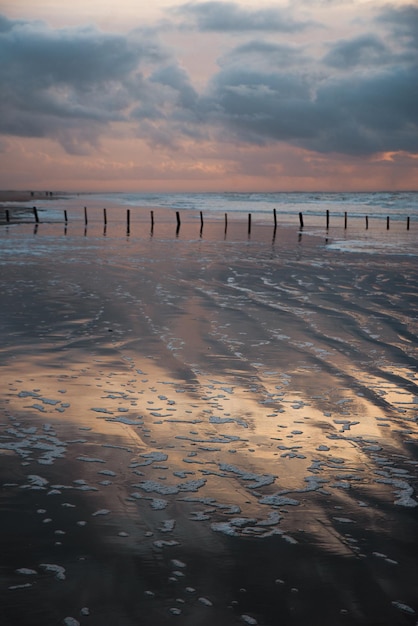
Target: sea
(288, 204)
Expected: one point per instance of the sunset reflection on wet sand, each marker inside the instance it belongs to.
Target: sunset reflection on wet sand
(207, 430)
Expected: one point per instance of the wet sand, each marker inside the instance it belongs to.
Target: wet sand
(215, 429)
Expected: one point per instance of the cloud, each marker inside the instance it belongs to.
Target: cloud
(263, 107)
(262, 52)
(178, 81)
(372, 113)
(169, 109)
(402, 21)
(361, 51)
(76, 85)
(360, 98)
(68, 82)
(366, 104)
(230, 17)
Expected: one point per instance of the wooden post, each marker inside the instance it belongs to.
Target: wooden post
(226, 222)
(387, 223)
(407, 223)
(275, 218)
(201, 220)
(345, 220)
(85, 216)
(327, 219)
(178, 219)
(65, 216)
(249, 223)
(301, 220)
(105, 217)
(367, 222)
(152, 222)
(128, 221)
(35, 212)
(8, 216)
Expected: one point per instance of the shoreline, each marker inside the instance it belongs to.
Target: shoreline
(60, 207)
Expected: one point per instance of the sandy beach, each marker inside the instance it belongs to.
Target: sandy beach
(23, 195)
(207, 429)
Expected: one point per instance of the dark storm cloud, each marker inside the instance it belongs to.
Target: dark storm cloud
(281, 55)
(354, 114)
(168, 109)
(392, 40)
(264, 106)
(178, 81)
(71, 85)
(372, 113)
(360, 98)
(230, 17)
(57, 83)
(403, 22)
(361, 51)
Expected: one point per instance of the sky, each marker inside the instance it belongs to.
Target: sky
(247, 95)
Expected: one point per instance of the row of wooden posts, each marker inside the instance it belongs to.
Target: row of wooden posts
(128, 219)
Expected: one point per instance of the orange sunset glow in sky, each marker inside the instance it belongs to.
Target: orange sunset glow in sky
(209, 95)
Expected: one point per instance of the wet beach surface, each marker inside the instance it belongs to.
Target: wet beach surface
(201, 430)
